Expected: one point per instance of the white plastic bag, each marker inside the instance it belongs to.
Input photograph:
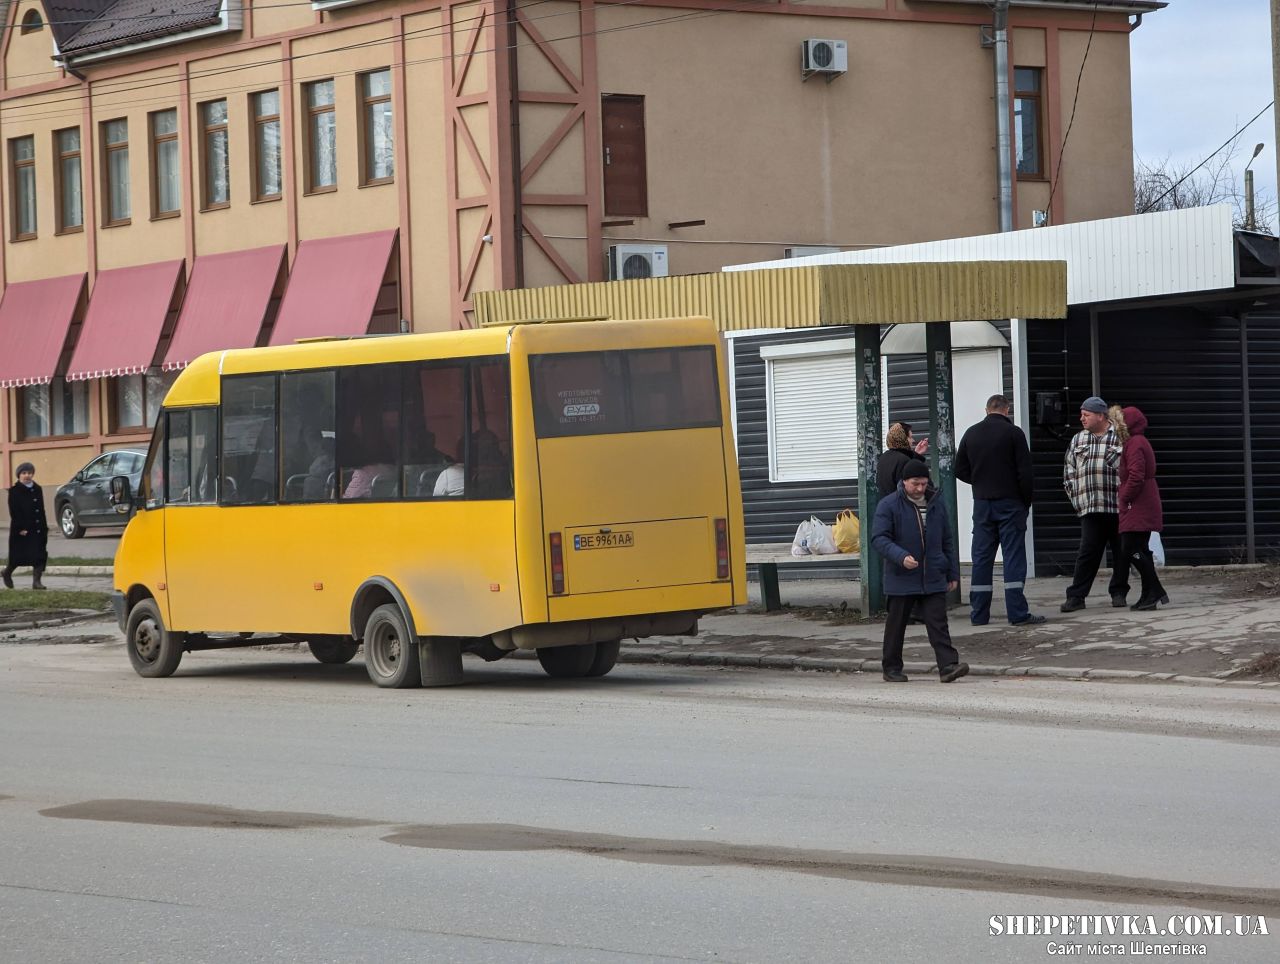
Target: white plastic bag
(821, 541)
(1157, 548)
(800, 544)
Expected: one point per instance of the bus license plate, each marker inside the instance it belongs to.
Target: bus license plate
(605, 540)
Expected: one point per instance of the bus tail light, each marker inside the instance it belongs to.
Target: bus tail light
(722, 548)
(557, 564)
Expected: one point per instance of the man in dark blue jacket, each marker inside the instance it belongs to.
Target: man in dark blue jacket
(993, 457)
(913, 535)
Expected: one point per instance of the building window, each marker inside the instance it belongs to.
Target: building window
(115, 172)
(377, 147)
(266, 145)
(68, 196)
(59, 408)
(136, 400)
(22, 162)
(1027, 124)
(812, 411)
(322, 137)
(216, 173)
(626, 189)
(166, 186)
(31, 22)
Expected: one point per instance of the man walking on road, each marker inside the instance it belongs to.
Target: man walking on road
(913, 535)
(1090, 479)
(994, 458)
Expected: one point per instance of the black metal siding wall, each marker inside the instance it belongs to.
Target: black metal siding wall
(773, 510)
(1182, 367)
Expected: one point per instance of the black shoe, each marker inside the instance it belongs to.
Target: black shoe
(897, 676)
(8, 580)
(949, 674)
(1071, 605)
(38, 585)
(1145, 605)
(1032, 620)
(1119, 600)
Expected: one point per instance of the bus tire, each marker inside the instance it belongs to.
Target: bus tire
(154, 651)
(567, 662)
(333, 649)
(606, 657)
(390, 652)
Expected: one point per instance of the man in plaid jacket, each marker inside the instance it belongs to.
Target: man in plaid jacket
(1089, 476)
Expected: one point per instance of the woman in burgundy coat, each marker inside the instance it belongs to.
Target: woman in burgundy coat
(1139, 499)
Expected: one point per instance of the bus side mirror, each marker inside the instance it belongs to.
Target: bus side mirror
(121, 494)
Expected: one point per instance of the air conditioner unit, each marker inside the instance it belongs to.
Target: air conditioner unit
(824, 56)
(628, 261)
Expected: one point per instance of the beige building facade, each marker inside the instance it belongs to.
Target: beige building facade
(227, 171)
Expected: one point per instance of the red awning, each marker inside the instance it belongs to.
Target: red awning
(34, 318)
(333, 287)
(225, 303)
(125, 318)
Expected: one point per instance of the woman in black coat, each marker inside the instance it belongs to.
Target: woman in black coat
(28, 528)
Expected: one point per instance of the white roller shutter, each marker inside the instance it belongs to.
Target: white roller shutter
(813, 416)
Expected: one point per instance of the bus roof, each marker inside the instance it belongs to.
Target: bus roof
(200, 382)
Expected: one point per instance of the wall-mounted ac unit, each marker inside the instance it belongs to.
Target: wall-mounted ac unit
(824, 56)
(628, 261)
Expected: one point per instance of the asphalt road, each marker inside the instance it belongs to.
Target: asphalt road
(260, 806)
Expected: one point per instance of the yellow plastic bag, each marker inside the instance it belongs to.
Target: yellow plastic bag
(847, 531)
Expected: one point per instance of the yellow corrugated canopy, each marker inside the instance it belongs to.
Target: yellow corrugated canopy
(804, 297)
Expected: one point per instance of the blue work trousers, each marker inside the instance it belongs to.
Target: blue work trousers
(1003, 523)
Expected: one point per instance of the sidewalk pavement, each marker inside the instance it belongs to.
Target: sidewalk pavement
(1220, 626)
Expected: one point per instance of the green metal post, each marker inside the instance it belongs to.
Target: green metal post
(866, 341)
(942, 445)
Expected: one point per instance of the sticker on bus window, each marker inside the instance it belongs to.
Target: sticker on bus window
(580, 405)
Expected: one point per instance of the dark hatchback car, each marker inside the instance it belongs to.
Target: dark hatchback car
(86, 500)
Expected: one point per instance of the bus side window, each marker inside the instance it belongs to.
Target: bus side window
(489, 465)
(307, 436)
(435, 400)
(248, 439)
(368, 439)
(204, 456)
(153, 473)
(178, 469)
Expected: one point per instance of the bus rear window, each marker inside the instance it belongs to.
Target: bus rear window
(609, 392)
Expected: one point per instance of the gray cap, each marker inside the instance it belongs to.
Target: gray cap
(1094, 404)
(24, 467)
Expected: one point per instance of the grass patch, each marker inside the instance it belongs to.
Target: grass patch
(50, 600)
(78, 561)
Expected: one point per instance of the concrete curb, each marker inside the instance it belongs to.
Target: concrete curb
(833, 665)
(79, 571)
(83, 616)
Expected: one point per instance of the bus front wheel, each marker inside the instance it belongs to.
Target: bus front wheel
(390, 653)
(153, 650)
(333, 649)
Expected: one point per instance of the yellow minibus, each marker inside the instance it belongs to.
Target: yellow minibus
(556, 487)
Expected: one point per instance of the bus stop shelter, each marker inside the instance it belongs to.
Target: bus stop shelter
(864, 296)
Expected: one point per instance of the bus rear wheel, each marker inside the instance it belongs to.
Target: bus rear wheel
(606, 657)
(333, 649)
(153, 650)
(390, 653)
(567, 662)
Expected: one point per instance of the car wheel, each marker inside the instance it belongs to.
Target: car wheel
(390, 652)
(567, 662)
(153, 650)
(333, 649)
(71, 527)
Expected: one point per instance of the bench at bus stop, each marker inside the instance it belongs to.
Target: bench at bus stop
(768, 556)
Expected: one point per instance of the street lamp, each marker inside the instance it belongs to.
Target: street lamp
(1248, 189)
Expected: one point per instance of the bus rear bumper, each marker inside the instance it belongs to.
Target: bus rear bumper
(118, 607)
(577, 632)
